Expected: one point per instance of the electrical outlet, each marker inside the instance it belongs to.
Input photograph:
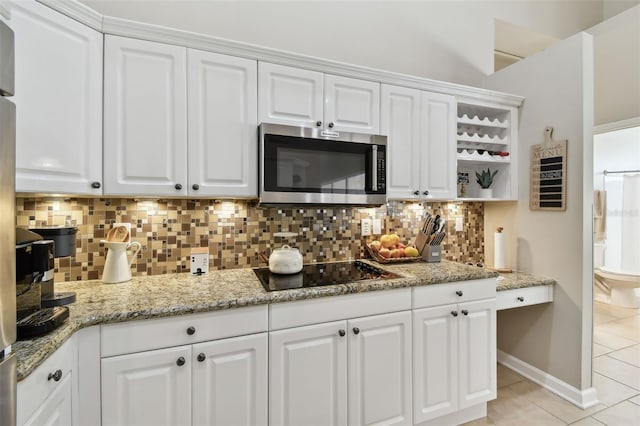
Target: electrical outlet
(365, 225)
(459, 224)
(377, 227)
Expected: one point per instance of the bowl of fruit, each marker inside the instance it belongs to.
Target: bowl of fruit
(389, 249)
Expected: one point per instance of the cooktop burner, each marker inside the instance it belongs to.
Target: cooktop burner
(320, 274)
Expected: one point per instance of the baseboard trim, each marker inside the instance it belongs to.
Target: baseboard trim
(581, 398)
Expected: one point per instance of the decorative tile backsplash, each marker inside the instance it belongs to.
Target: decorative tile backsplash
(235, 231)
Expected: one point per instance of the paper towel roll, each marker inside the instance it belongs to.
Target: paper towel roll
(498, 248)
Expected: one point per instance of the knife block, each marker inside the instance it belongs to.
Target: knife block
(431, 254)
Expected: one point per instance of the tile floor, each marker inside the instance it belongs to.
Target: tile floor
(616, 376)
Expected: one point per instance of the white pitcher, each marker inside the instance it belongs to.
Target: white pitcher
(117, 267)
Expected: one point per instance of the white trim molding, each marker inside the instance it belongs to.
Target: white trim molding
(617, 125)
(581, 398)
(76, 10)
(140, 30)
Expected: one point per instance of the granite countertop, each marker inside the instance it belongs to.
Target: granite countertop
(179, 294)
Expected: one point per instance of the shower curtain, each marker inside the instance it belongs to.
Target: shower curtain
(631, 224)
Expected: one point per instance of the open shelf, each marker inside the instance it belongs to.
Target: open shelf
(483, 128)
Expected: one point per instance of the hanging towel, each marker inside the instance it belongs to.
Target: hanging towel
(599, 215)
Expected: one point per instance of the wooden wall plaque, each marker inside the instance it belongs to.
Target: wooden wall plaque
(548, 184)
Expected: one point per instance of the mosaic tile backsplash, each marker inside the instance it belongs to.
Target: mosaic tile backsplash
(235, 231)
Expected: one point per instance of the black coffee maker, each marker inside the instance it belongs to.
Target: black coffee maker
(64, 238)
(35, 267)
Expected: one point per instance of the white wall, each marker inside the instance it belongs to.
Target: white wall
(558, 87)
(613, 7)
(617, 67)
(617, 150)
(443, 40)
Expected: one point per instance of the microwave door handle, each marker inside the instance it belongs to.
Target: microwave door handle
(374, 168)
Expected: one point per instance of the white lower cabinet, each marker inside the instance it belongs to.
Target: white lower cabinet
(48, 396)
(355, 372)
(454, 358)
(57, 409)
(308, 375)
(411, 356)
(219, 383)
(380, 370)
(230, 381)
(147, 388)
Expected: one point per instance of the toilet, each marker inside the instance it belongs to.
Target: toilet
(614, 286)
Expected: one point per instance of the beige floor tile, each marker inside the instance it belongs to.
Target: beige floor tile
(626, 413)
(611, 340)
(611, 392)
(480, 422)
(602, 318)
(552, 403)
(507, 376)
(515, 407)
(620, 371)
(629, 355)
(588, 421)
(600, 350)
(635, 400)
(626, 330)
(631, 321)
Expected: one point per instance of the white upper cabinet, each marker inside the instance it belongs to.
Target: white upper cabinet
(438, 148)
(145, 118)
(223, 146)
(158, 143)
(58, 97)
(421, 130)
(298, 97)
(351, 105)
(290, 95)
(400, 121)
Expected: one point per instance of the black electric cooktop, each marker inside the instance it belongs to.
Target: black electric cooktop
(320, 274)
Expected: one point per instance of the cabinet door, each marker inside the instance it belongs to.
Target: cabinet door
(308, 376)
(438, 171)
(230, 381)
(400, 121)
(477, 352)
(351, 105)
(147, 388)
(56, 409)
(145, 118)
(435, 362)
(290, 95)
(58, 96)
(380, 370)
(223, 146)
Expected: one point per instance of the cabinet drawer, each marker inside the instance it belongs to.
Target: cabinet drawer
(457, 292)
(524, 297)
(314, 311)
(136, 336)
(35, 389)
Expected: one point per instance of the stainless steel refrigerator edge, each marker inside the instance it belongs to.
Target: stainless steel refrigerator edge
(7, 230)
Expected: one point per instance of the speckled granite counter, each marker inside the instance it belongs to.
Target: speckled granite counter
(517, 280)
(179, 294)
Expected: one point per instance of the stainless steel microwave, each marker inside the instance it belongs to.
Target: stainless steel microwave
(300, 165)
